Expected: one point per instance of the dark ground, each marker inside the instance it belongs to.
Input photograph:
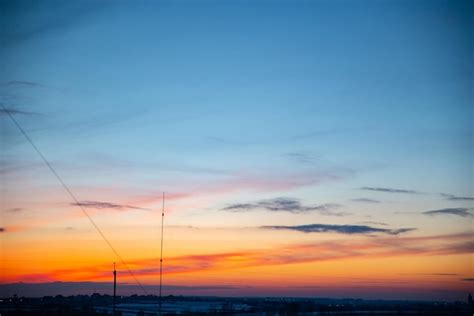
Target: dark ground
(97, 304)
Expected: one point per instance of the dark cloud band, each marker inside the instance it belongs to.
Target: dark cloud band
(341, 229)
(107, 205)
(286, 205)
(452, 197)
(389, 190)
(459, 211)
(10, 111)
(365, 200)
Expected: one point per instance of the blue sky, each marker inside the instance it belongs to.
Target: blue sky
(311, 100)
(233, 85)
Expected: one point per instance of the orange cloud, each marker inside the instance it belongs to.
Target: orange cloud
(303, 253)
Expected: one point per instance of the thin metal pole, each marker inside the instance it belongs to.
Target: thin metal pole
(115, 287)
(161, 250)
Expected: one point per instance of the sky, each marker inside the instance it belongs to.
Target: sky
(306, 148)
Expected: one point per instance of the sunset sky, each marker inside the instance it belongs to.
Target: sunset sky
(306, 148)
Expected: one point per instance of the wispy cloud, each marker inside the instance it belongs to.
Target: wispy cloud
(13, 210)
(341, 229)
(442, 274)
(290, 205)
(21, 83)
(468, 279)
(318, 251)
(330, 132)
(10, 111)
(452, 197)
(432, 274)
(365, 200)
(389, 190)
(72, 14)
(459, 211)
(230, 142)
(301, 157)
(107, 205)
(375, 223)
(319, 133)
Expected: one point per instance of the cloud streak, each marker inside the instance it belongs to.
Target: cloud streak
(319, 133)
(432, 274)
(334, 250)
(365, 200)
(13, 210)
(9, 111)
(340, 229)
(72, 14)
(300, 157)
(375, 223)
(389, 190)
(459, 211)
(452, 197)
(289, 205)
(21, 83)
(107, 205)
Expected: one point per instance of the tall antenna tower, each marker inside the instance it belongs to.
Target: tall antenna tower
(161, 250)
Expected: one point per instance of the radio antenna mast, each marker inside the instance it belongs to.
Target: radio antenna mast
(161, 249)
(115, 288)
